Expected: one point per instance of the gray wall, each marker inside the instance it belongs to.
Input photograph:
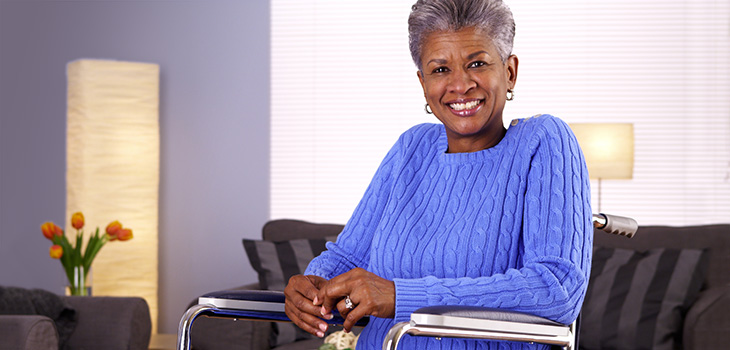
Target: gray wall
(214, 121)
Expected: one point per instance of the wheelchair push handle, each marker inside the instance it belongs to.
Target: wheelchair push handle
(617, 225)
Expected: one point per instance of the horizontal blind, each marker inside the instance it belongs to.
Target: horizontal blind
(344, 87)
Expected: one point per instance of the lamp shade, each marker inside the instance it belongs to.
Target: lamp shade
(608, 149)
(112, 169)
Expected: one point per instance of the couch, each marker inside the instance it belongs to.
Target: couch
(110, 323)
(700, 318)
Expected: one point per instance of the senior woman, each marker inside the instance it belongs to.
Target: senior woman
(464, 212)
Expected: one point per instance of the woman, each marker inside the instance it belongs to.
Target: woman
(464, 212)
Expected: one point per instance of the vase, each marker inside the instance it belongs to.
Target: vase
(77, 284)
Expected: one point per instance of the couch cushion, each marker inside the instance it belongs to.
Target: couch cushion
(280, 230)
(275, 263)
(713, 238)
(637, 300)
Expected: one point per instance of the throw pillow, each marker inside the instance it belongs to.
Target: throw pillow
(275, 263)
(637, 300)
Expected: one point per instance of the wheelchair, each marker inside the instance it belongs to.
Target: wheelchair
(433, 321)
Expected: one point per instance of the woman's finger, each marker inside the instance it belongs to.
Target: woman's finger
(355, 315)
(342, 307)
(306, 321)
(299, 304)
(336, 289)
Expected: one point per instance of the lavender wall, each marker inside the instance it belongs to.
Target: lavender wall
(214, 121)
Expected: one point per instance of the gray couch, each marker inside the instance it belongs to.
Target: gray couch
(706, 324)
(113, 323)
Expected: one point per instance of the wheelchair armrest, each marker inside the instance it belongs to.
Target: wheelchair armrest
(482, 323)
(254, 304)
(481, 318)
(257, 305)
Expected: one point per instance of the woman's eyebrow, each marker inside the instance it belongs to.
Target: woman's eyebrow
(471, 56)
(437, 61)
(475, 54)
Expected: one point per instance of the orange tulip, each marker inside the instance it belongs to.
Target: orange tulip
(56, 251)
(50, 229)
(125, 234)
(113, 229)
(77, 220)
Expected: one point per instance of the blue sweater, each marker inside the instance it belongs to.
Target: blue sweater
(507, 227)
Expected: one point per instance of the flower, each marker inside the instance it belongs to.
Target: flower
(125, 234)
(113, 229)
(76, 262)
(77, 220)
(50, 230)
(56, 251)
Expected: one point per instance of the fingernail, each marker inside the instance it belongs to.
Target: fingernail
(320, 334)
(322, 311)
(323, 327)
(330, 316)
(314, 302)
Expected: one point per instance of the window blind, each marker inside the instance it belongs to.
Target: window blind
(344, 87)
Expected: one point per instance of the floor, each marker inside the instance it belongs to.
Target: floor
(163, 342)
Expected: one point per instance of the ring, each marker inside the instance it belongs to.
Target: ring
(348, 303)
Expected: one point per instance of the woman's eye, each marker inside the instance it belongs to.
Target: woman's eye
(477, 64)
(440, 70)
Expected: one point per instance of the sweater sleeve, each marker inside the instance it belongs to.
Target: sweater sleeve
(352, 248)
(556, 233)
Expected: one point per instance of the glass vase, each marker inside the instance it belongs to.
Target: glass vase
(78, 284)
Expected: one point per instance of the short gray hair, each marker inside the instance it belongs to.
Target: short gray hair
(492, 17)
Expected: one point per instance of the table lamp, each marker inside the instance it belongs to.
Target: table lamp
(608, 149)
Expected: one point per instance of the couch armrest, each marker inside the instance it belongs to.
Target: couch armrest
(27, 332)
(222, 334)
(110, 323)
(707, 324)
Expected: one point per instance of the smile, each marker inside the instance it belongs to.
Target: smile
(464, 108)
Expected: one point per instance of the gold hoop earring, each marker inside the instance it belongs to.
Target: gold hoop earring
(427, 108)
(510, 94)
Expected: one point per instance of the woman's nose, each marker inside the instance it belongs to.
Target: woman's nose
(460, 82)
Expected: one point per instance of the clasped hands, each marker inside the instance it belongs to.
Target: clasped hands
(311, 298)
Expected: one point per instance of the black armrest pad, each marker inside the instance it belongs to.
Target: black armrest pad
(485, 313)
(250, 295)
(266, 299)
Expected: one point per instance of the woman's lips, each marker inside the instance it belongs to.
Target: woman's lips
(465, 108)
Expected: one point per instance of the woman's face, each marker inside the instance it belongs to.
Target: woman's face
(465, 83)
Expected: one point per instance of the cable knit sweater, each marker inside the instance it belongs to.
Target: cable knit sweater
(507, 227)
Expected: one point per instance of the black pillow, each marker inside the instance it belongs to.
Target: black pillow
(275, 263)
(638, 300)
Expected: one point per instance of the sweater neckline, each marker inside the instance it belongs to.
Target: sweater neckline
(469, 157)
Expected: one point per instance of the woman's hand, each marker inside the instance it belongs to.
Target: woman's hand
(301, 296)
(371, 295)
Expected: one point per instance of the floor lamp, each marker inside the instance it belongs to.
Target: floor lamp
(112, 173)
(608, 149)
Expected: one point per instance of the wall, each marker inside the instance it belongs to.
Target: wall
(214, 121)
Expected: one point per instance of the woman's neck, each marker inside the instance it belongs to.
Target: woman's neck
(463, 144)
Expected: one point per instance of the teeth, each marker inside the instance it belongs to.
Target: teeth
(463, 106)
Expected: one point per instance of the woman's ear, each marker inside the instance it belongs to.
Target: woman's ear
(420, 79)
(512, 63)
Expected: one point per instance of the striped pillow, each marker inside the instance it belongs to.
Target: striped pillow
(637, 300)
(275, 263)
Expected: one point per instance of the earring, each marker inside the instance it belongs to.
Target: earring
(427, 108)
(510, 94)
